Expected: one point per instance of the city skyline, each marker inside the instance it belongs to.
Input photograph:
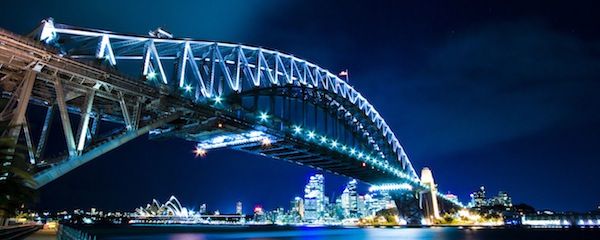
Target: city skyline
(471, 124)
(314, 189)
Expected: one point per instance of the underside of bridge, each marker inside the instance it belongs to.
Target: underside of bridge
(219, 95)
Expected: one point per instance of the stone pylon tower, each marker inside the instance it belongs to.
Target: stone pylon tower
(429, 202)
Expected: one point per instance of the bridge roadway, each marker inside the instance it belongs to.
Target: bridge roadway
(85, 91)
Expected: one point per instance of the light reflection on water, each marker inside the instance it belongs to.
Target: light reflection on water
(380, 233)
(187, 236)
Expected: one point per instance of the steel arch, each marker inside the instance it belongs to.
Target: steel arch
(214, 69)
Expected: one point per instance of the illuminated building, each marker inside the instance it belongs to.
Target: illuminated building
(478, 198)
(202, 209)
(361, 206)
(561, 220)
(314, 198)
(502, 199)
(170, 208)
(349, 200)
(238, 208)
(297, 206)
(377, 201)
(259, 214)
(451, 197)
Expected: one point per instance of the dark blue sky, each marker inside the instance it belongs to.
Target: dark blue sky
(499, 93)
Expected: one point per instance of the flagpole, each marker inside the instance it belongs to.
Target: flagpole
(344, 73)
(347, 80)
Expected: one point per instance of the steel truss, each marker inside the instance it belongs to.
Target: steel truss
(215, 69)
(34, 74)
(74, 74)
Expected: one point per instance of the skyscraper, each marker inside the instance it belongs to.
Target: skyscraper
(202, 209)
(297, 206)
(238, 208)
(377, 201)
(314, 198)
(350, 200)
(478, 198)
(361, 206)
(502, 200)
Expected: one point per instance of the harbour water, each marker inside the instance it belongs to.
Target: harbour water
(302, 233)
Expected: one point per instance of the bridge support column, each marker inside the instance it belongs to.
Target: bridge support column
(85, 119)
(64, 116)
(45, 132)
(407, 203)
(93, 129)
(29, 142)
(18, 114)
(18, 120)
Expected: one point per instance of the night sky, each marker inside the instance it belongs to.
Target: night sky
(496, 93)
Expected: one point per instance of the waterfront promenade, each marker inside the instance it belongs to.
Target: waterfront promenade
(43, 234)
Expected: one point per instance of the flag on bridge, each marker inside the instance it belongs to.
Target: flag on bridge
(344, 74)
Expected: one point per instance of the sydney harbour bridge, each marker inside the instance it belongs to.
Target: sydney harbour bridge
(109, 88)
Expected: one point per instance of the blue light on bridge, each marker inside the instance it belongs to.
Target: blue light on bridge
(188, 88)
(218, 99)
(263, 116)
(151, 75)
(365, 158)
(391, 187)
(297, 129)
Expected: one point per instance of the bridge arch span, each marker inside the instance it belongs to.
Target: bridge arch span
(203, 71)
(216, 94)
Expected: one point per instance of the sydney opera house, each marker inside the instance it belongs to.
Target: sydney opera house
(171, 212)
(172, 208)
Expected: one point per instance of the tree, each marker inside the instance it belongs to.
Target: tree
(15, 180)
(523, 208)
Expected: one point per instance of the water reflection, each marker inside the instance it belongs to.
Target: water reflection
(188, 236)
(436, 233)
